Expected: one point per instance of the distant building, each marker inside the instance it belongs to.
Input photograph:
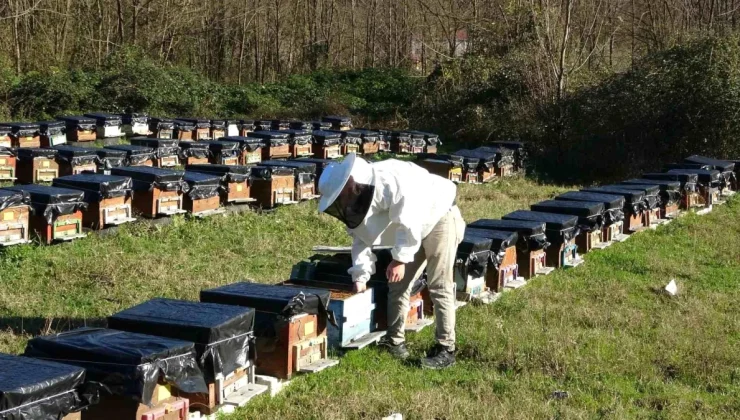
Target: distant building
(437, 49)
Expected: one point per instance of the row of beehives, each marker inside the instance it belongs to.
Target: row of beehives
(60, 211)
(167, 357)
(329, 138)
(502, 254)
(181, 359)
(483, 164)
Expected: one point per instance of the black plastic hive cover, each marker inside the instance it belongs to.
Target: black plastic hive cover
(327, 138)
(201, 185)
(249, 144)
(267, 172)
(37, 389)
(52, 201)
(96, 187)
(630, 196)
(475, 253)
(500, 239)
(124, 363)
(610, 201)
(9, 198)
(706, 177)
(77, 155)
(718, 164)
(72, 120)
(552, 221)
(665, 185)
(223, 147)
(162, 147)
(30, 153)
(146, 177)
(232, 173)
(523, 227)
(472, 244)
(683, 178)
(300, 167)
(282, 300)
(221, 333)
(574, 208)
(105, 117)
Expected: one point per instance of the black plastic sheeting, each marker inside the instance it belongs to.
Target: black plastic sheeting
(590, 213)
(368, 136)
(717, 164)
(688, 181)
(305, 172)
(29, 153)
(10, 198)
(108, 158)
(504, 156)
(559, 228)
(23, 129)
(195, 122)
(670, 191)
(299, 137)
(327, 138)
(202, 186)
(97, 187)
(249, 144)
(224, 148)
(77, 156)
(453, 160)
(106, 119)
(222, 333)
(161, 123)
(531, 234)
(229, 173)
(52, 201)
(134, 117)
(32, 389)
(613, 204)
(162, 147)
(267, 172)
(124, 363)
(6, 151)
(485, 160)
(135, 155)
(519, 148)
(273, 303)
(475, 253)
(500, 242)
(194, 149)
(147, 178)
(272, 138)
(634, 200)
(77, 122)
(709, 178)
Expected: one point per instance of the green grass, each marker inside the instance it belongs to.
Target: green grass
(602, 332)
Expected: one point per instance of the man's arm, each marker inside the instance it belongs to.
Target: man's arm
(363, 264)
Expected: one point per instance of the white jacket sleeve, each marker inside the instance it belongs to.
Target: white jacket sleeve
(363, 261)
(402, 210)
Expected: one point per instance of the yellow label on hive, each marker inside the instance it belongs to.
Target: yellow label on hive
(308, 328)
(3, 161)
(239, 187)
(9, 215)
(45, 164)
(162, 392)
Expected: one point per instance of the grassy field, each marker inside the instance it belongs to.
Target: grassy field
(601, 332)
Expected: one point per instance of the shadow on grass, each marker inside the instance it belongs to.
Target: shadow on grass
(35, 326)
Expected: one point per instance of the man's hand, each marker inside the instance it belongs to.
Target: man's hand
(360, 287)
(395, 272)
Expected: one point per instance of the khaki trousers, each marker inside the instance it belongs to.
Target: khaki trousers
(437, 253)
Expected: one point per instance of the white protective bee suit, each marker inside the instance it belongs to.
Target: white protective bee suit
(414, 212)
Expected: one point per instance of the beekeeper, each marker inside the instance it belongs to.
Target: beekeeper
(400, 205)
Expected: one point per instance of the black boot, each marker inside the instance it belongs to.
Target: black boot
(399, 351)
(440, 357)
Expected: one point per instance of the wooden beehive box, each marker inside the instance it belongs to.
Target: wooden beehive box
(442, 167)
(161, 128)
(5, 141)
(223, 152)
(24, 135)
(530, 255)
(108, 198)
(276, 144)
(107, 125)
(36, 165)
(223, 337)
(235, 181)
(7, 164)
(249, 149)
(291, 338)
(560, 230)
(471, 266)
(79, 128)
(57, 214)
(218, 129)
(14, 217)
(74, 160)
(135, 155)
(634, 220)
(246, 127)
(200, 128)
(166, 151)
(300, 141)
(194, 152)
(157, 191)
(203, 196)
(52, 133)
(502, 262)
(338, 122)
(327, 144)
(272, 186)
(122, 408)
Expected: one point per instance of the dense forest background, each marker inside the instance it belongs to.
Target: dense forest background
(602, 88)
